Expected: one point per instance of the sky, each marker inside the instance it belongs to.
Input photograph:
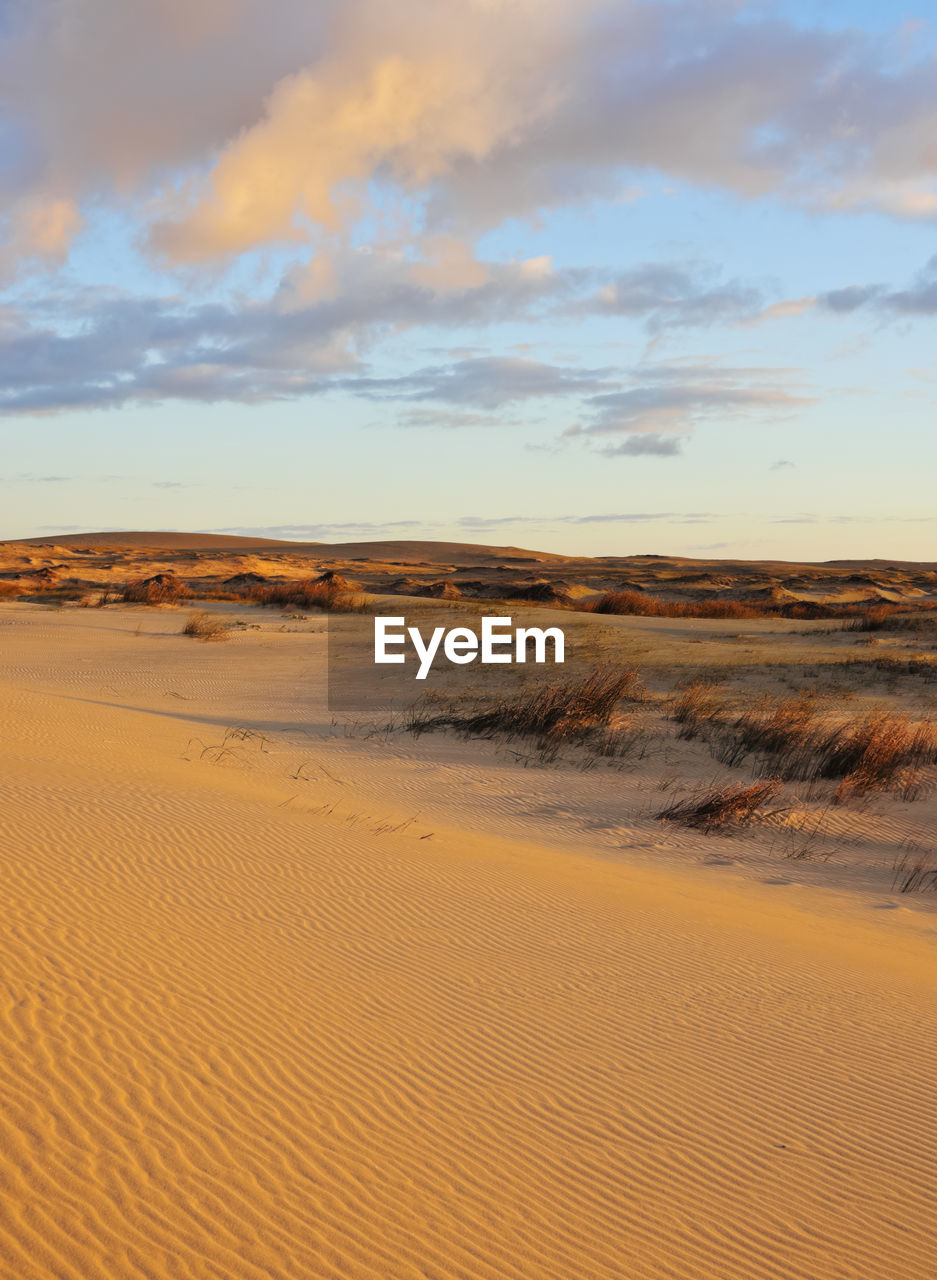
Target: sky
(591, 277)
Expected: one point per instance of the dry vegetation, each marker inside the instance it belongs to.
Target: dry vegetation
(163, 588)
(733, 804)
(889, 617)
(879, 750)
(637, 604)
(205, 626)
(640, 605)
(311, 593)
(841, 702)
(559, 712)
(915, 870)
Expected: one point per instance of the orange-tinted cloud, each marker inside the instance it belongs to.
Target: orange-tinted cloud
(228, 125)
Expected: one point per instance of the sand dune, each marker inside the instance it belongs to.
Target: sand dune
(76, 565)
(393, 551)
(155, 540)
(250, 1030)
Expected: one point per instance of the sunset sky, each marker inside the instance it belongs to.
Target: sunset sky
(585, 276)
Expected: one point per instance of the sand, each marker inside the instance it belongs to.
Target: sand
(85, 564)
(294, 1006)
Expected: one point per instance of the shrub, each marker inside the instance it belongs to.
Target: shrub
(163, 588)
(204, 626)
(890, 617)
(631, 602)
(553, 713)
(915, 870)
(697, 708)
(774, 727)
(733, 804)
(877, 751)
(311, 593)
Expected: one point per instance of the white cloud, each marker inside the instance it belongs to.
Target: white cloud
(229, 125)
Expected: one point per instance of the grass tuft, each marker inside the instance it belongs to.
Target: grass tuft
(878, 751)
(733, 804)
(915, 870)
(204, 626)
(311, 593)
(554, 713)
(163, 588)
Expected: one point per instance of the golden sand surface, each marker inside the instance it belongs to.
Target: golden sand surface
(291, 1006)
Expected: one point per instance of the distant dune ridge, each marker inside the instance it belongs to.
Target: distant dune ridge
(178, 541)
(74, 566)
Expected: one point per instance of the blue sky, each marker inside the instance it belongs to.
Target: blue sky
(601, 278)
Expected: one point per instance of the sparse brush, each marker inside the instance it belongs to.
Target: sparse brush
(10, 589)
(697, 708)
(889, 665)
(775, 727)
(639, 605)
(855, 617)
(552, 713)
(915, 870)
(53, 595)
(203, 626)
(878, 751)
(731, 805)
(874, 619)
(311, 593)
(891, 617)
(164, 588)
(801, 833)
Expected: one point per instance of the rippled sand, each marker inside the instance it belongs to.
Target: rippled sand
(249, 1029)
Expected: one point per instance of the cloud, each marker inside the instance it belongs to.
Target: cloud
(850, 298)
(224, 126)
(665, 402)
(448, 420)
(471, 524)
(100, 349)
(487, 382)
(673, 295)
(649, 445)
(673, 397)
(315, 532)
(782, 310)
(919, 298)
(38, 233)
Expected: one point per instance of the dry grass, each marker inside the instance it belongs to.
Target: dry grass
(878, 751)
(915, 870)
(310, 593)
(892, 617)
(771, 728)
(640, 605)
(10, 589)
(204, 626)
(697, 709)
(854, 617)
(564, 711)
(164, 588)
(875, 753)
(890, 666)
(715, 808)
